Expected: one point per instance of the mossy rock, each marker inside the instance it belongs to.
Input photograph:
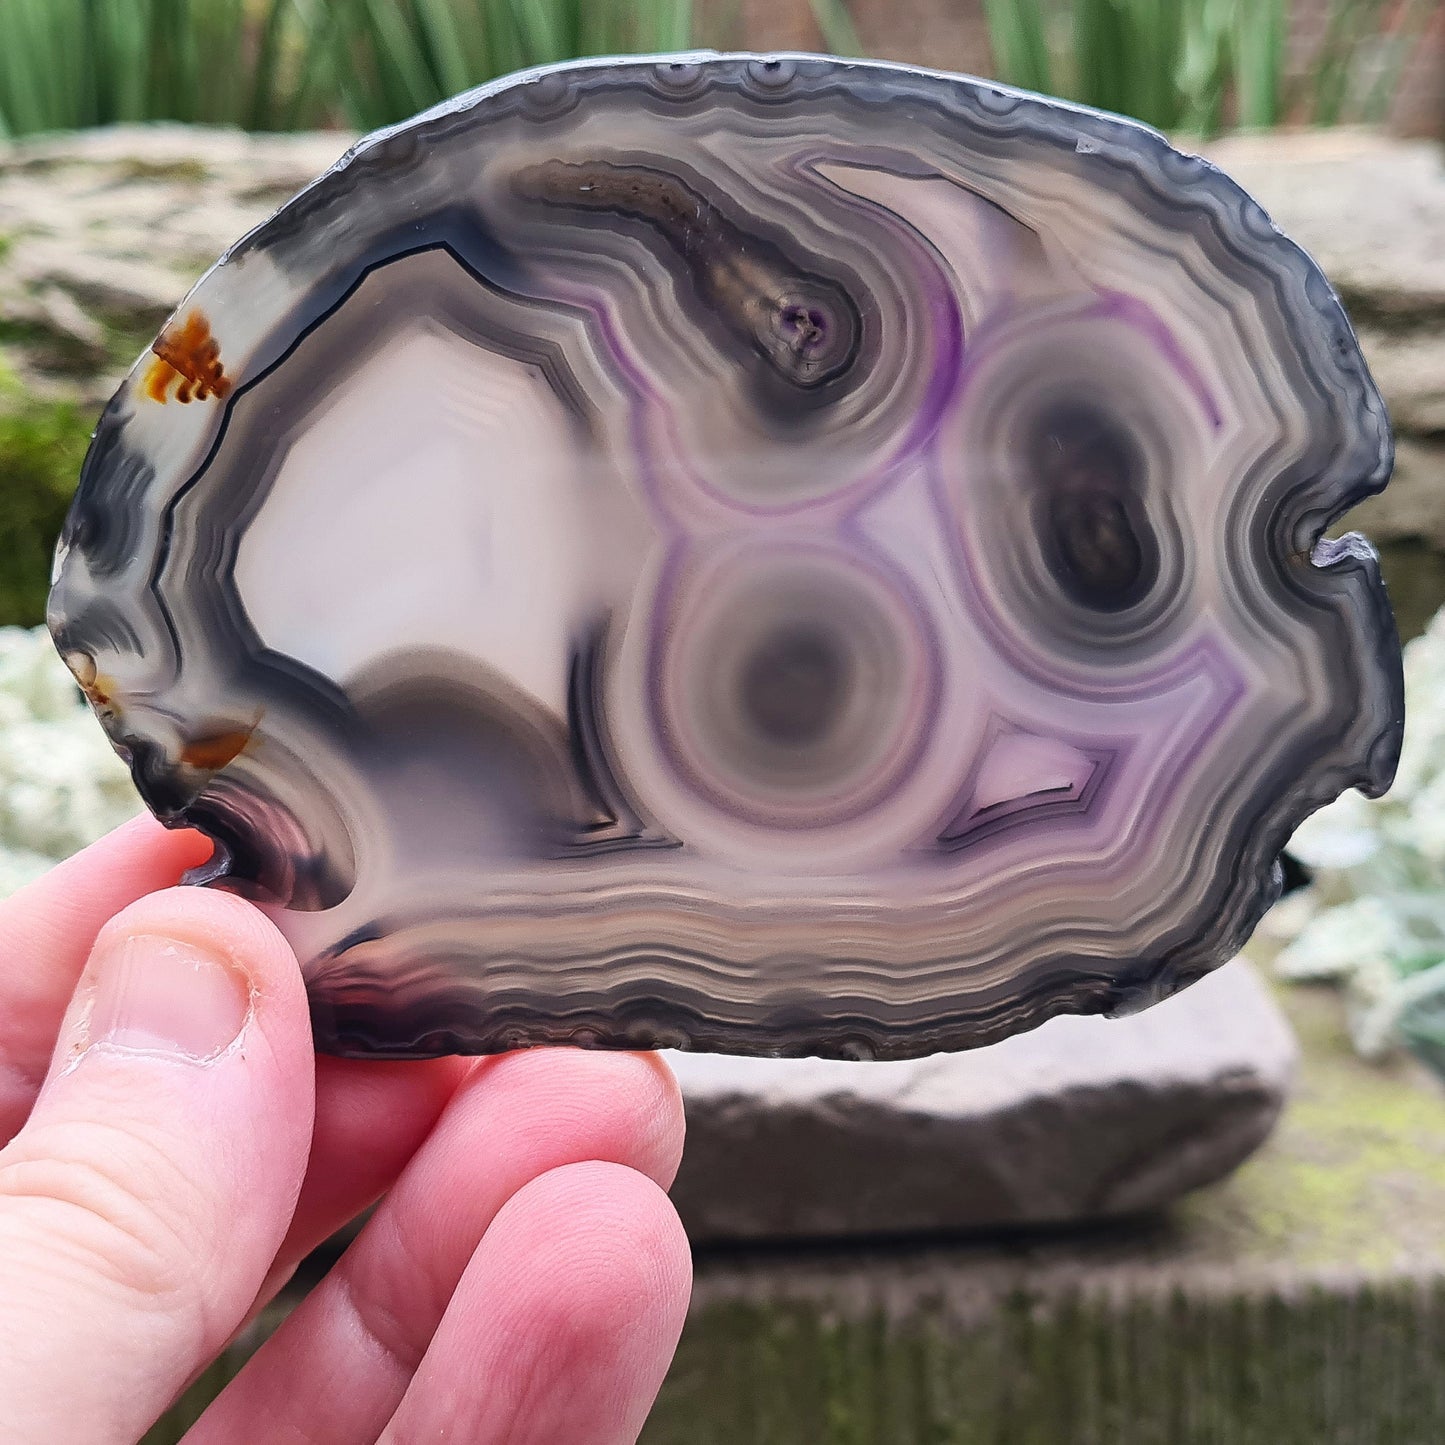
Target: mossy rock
(1268, 1368)
(42, 445)
(1314, 1364)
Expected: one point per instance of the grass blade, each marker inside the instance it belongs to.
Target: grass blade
(1018, 36)
(678, 22)
(1260, 39)
(437, 21)
(283, 63)
(835, 24)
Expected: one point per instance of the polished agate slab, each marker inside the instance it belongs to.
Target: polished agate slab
(775, 555)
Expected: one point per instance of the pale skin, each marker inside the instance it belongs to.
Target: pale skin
(173, 1148)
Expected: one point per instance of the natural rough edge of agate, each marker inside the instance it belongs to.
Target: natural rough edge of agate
(1258, 670)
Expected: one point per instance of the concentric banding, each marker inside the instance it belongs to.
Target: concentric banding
(860, 593)
(792, 685)
(808, 365)
(1073, 464)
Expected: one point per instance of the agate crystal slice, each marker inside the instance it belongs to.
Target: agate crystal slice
(776, 555)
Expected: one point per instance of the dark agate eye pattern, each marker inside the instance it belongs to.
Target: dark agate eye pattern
(775, 555)
(1092, 516)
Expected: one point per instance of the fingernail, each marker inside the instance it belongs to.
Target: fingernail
(165, 996)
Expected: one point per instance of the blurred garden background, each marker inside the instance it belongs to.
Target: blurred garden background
(1219, 1225)
(1199, 65)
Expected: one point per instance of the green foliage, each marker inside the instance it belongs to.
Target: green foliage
(1374, 919)
(42, 445)
(1197, 65)
(71, 63)
(282, 64)
(835, 24)
(392, 58)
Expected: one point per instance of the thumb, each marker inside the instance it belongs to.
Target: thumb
(149, 1190)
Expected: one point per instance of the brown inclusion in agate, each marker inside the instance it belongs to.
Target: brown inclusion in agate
(775, 555)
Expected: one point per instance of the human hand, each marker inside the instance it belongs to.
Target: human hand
(175, 1149)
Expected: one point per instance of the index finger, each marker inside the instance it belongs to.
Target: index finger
(46, 933)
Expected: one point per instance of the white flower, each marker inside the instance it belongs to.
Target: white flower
(1375, 1004)
(1365, 935)
(1422, 757)
(1374, 919)
(1342, 835)
(1288, 917)
(61, 785)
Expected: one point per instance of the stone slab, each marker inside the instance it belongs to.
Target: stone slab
(1413, 505)
(106, 230)
(1409, 368)
(1084, 1119)
(1369, 208)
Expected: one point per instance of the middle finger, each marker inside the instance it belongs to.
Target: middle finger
(337, 1369)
